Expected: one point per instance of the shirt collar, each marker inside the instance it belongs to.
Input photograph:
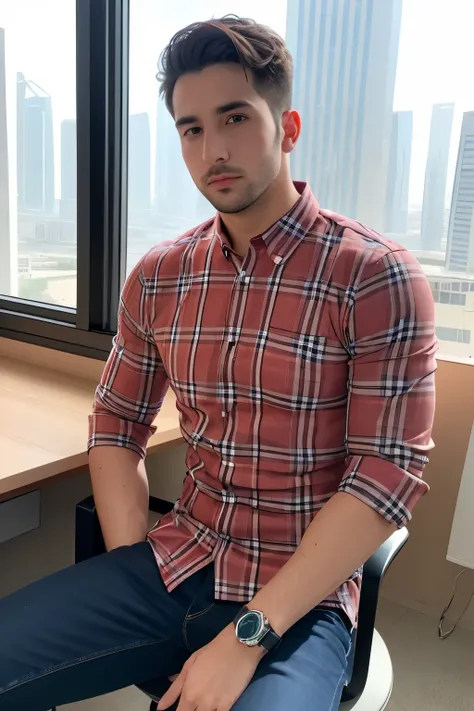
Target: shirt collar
(284, 236)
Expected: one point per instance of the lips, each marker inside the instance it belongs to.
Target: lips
(223, 181)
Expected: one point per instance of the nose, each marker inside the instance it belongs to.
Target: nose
(214, 148)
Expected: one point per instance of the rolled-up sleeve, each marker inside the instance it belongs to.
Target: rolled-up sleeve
(391, 339)
(134, 382)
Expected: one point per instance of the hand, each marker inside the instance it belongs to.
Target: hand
(214, 677)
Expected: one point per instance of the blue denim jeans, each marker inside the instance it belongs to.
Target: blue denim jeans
(109, 622)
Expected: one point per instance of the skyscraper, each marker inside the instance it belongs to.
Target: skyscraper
(460, 250)
(139, 163)
(35, 157)
(398, 179)
(345, 55)
(434, 194)
(67, 204)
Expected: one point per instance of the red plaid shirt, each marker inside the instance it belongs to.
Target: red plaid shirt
(303, 369)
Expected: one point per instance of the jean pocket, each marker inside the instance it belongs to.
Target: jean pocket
(202, 625)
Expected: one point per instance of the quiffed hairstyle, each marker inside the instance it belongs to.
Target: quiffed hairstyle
(257, 48)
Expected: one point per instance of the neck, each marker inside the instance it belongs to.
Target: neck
(275, 202)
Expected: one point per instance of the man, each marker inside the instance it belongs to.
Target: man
(301, 349)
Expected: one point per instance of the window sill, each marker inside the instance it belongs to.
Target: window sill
(45, 399)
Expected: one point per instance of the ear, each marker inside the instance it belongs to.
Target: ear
(291, 125)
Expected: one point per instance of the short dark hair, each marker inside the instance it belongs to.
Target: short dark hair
(257, 48)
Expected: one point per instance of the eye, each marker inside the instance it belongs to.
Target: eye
(236, 118)
(193, 131)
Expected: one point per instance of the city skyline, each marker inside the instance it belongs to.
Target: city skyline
(388, 165)
(425, 76)
(361, 148)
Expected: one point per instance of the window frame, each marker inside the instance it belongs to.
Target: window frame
(102, 67)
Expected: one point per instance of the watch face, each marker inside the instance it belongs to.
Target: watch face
(249, 626)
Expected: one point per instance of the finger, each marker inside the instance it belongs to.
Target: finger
(173, 693)
(173, 677)
(185, 705)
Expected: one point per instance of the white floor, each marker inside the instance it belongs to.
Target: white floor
(430, 675)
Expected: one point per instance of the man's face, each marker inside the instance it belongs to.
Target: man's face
(230, 143)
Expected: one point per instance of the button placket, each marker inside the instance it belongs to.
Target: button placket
(229, 350)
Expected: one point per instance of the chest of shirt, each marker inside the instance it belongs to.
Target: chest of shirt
(252, 330)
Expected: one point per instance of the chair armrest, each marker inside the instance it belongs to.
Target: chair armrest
(372, 575)
(160, 505)
(89, 540)
(381, 560)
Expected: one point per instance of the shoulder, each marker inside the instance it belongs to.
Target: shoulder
(164, 259)
(362, 252)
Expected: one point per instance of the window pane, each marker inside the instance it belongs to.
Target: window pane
(38, 150)
(458, 300)
(445, 333)
(388, 127)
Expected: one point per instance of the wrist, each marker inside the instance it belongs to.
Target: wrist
(257, 652)
(279, 617)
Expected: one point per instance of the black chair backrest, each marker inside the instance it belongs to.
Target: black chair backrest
(372, 575)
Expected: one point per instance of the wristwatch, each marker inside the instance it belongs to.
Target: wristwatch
(252, 628)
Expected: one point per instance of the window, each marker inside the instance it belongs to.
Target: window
(388, 128)
(91, 174)
(38, 156)
(454, 335)
(458, 299)
(63, 96)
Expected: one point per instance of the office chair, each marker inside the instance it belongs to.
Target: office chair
(370, 686)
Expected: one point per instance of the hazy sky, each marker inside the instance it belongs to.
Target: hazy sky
(436, 57)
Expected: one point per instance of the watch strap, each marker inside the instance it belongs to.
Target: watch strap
(243, 610)
(270, 641)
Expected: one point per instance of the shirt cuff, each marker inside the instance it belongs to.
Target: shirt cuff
(112, 431)
(385, 487)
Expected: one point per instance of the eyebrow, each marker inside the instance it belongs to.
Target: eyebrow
(224, 109)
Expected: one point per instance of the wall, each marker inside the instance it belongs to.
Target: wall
(51, 547)
(421, 577)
